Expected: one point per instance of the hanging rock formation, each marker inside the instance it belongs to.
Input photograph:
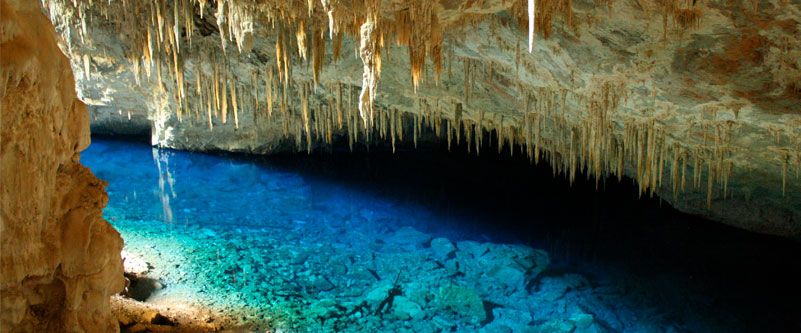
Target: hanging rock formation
(60, 260)
(698, 101)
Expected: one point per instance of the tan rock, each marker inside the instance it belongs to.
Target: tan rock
(60, 260)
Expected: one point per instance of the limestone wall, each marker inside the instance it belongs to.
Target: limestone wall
(60, 260)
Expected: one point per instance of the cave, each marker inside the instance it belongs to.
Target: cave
(400, 166)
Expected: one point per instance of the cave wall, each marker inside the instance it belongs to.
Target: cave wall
(698, 101)
(60, 260)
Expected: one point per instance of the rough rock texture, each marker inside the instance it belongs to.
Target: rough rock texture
(698, 101)
(60, 260)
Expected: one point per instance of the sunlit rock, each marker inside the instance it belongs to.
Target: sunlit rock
(60, 259)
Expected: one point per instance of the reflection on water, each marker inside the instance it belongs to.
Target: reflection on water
(162, 157)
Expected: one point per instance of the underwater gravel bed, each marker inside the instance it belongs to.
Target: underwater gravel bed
(285, 253)
(299, 279)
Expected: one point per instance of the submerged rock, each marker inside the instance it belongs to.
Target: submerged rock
(555, 326)
(442, 247)
(582, 320)
(378, 294)
(511, 317)
(410, 237)
(405, 309)
(508, 276)
(322, 309)
(463, 301)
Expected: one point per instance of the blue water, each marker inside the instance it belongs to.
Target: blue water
(183, 188)
(284, 249)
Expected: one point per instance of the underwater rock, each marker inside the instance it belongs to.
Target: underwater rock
(409, 236)
(453, 267)
(442, 247)
(552, 289)
(299, 257)
(555, 326)
(323, 284)
(507, 276)
(208, 232)
(475, 249)
(405, 309)
(517, 320)
(322, 309)
(134, 264)
(497, 328)
(534, 261)
(443, 323)
(360, 273)
(463, 301)
(582, 320)
(378, 294)
(595, 328)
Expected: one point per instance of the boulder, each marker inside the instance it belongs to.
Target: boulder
(463, 301)
(441, 248)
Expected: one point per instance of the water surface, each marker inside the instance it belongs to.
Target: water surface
(316, 243)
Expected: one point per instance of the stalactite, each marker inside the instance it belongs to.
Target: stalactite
(499, 132)
(466, 81)
(199, 92)
(416, 126)
(208, 110)
(517, 57)
(458, 121)
(318, 55)
(449, 126)
(468, 134)
(584, 140)
(478, 132)
(532, 9)
(224, 101)
(86, 72)
(217, 104)
(337, 46)
(234, 104)
(221, 17)
(785, 163)
(329, 8)
(339, 105)
(710, 185)
(300, 35)
(392, 127)
(370, 76)
(304, 100)
(269, 89)
(254, 102)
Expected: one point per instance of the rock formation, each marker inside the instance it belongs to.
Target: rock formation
(60, 260)
(698, 101)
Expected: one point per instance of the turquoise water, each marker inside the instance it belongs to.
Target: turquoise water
(287, 249)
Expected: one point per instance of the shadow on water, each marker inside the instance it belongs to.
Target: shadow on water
(502, 198)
